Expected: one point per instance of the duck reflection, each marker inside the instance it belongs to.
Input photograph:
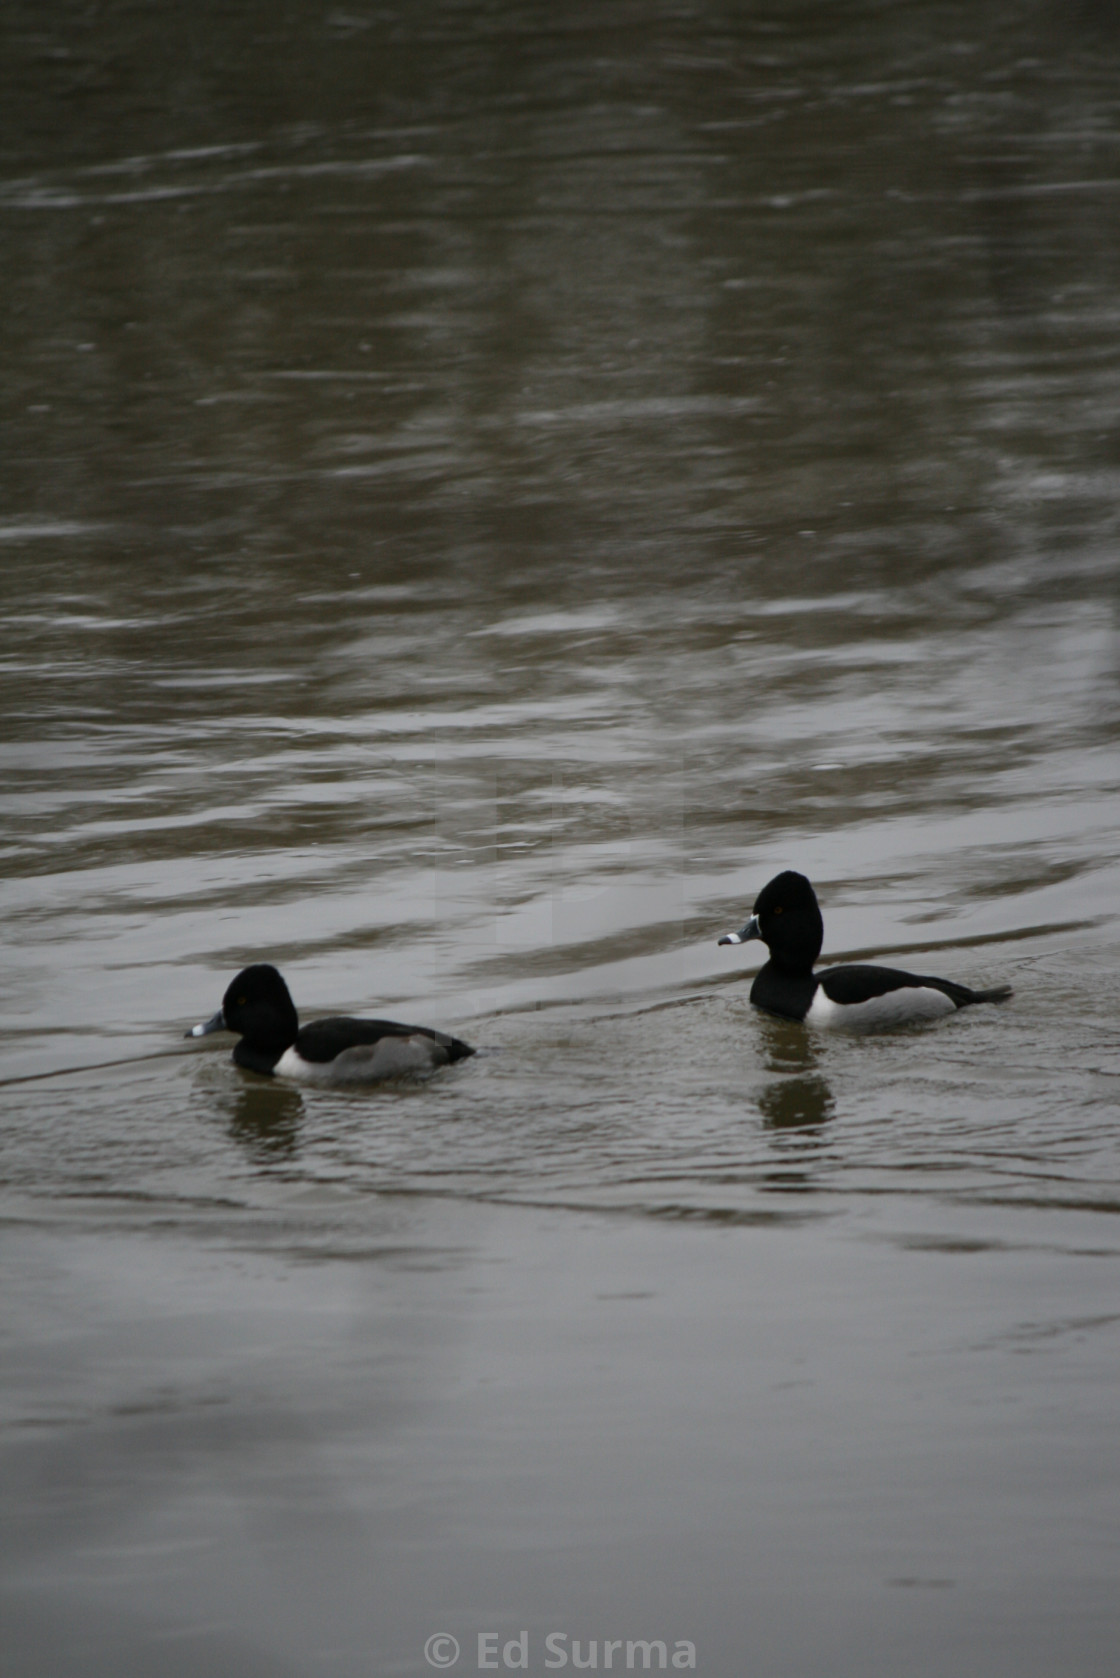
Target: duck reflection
(800, 1097)
(796, 1102)
(264, 1117)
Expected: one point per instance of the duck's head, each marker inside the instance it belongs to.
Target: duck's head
(787, 917)
(257, 1006)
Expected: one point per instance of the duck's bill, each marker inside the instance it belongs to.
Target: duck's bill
(218, 1023)
(751, 930)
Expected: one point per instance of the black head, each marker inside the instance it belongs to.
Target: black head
(259, 1008)
(787, 917)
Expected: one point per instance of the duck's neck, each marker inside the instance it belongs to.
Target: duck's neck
(256, 1060)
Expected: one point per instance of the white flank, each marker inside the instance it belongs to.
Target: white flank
(906, 1006)
(367, 1063)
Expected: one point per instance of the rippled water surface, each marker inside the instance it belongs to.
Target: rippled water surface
(486, 486)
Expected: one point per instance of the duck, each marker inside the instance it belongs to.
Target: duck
(338, 1051)
(861, 997)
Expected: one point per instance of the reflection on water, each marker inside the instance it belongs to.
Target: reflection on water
(786, 1045)
(793, 1102)
(801, 1096)
(264, 1118)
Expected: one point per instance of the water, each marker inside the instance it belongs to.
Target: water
(485, 488)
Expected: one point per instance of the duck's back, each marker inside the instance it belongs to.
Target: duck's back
(326, 1039)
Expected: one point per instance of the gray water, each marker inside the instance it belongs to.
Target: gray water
(485, 487)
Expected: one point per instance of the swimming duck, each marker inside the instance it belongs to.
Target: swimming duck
(787, 917)
(259, 1008)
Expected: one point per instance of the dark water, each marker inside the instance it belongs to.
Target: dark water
(485, 486)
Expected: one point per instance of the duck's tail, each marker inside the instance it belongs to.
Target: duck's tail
(998, 993)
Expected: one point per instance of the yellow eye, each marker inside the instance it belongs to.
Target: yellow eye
(241, 1002)
(778, 910)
